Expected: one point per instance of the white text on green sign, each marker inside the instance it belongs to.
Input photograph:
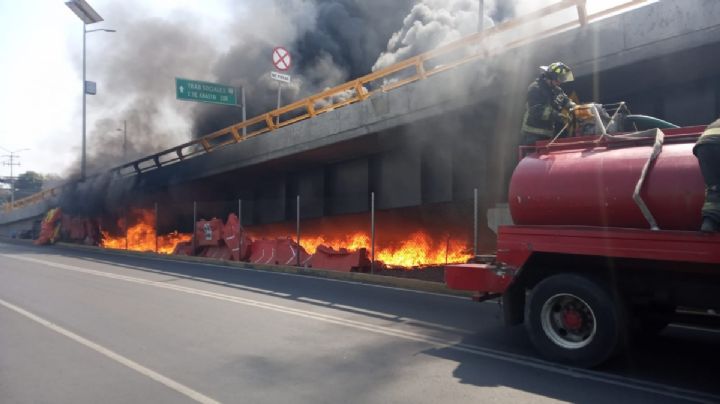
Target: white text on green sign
(191, 90)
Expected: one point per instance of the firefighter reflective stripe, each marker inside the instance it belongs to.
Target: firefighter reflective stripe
(547, 112)
(711, 208)
(534, 130)
(711, 134)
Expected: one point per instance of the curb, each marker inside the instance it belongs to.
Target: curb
(17, 241)
(381, 280)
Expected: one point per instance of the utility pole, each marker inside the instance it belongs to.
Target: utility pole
(12, 157)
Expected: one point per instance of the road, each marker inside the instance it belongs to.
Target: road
(87, 327)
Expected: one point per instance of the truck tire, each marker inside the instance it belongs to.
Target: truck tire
(574, 320)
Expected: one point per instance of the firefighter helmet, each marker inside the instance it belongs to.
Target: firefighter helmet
(558, 71)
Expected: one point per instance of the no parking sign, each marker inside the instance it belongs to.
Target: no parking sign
(281, 59)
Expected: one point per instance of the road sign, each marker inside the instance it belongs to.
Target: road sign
(281, 59)
(202, 91)
(285, 78)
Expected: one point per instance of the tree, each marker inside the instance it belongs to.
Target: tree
(27, 184)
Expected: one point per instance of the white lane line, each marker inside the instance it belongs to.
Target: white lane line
(440, 343)
(263, 271)
(406, 320)
(180, 388)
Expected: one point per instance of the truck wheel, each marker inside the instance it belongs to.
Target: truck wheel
(573, 320)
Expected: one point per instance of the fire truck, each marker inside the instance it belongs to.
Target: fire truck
(605, 248)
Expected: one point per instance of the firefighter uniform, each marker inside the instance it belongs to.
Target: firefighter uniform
(545, 101)
(707, 150)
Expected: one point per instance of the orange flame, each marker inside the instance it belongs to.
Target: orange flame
(418, 249)
(141, 236)
(415, 249)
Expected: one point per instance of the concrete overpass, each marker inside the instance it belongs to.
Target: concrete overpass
(432, 141)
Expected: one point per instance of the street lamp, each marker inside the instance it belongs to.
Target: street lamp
(12, 156)
(88, 16)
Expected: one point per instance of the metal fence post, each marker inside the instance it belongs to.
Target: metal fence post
(372, 232)
(156, 227)
(125, 213)
(475, 223)
(240, 228)
(297, 214)
(194, 238)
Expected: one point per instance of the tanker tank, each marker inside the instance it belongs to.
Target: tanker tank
(586, 183)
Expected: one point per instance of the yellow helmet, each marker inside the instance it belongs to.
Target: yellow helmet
(558, 71)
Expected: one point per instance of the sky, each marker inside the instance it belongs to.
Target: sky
(41, 72)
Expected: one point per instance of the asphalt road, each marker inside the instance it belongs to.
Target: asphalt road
(88, 327)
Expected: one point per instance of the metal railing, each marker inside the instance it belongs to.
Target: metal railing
(417, 68)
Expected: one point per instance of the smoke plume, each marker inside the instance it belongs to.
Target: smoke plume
(332, 41)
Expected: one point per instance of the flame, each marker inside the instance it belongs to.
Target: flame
(418, 249)
(141, 236)
(351, 242)
(414, 249)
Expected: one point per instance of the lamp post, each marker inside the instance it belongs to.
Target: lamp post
(88, 16)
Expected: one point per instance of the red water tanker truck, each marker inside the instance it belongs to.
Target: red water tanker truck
(605, 248)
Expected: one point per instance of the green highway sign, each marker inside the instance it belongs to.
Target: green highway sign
(202, 91)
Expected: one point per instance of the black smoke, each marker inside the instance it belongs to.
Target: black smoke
(332, 41)
(342, 42)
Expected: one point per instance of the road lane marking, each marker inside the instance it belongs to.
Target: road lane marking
(406, 320)
(261, 271)
(180, 388)
(269, 272)
(438, 342)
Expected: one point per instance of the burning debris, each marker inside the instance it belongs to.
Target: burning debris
(417, 249)
(260, 245)
(141, 236)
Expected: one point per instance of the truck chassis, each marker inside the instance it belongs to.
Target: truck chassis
(585, 293)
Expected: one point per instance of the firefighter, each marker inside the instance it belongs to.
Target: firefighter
(707, 151)
(545, 103)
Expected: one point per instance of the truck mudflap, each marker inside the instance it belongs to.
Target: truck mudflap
(489, 279)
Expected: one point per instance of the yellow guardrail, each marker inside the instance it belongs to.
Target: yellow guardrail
(32, 199)
(419, 67)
